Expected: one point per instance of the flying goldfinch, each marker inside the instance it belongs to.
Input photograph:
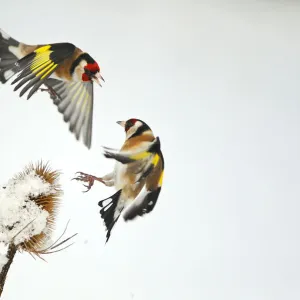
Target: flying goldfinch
(137, 176)
(66, 71)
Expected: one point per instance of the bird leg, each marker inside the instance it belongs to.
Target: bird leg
(50, 91)
(90, 179)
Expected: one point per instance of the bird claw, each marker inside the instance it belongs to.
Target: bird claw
(90, 179)
(50, 91)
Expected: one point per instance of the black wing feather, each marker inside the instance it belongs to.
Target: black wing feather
(40, 63)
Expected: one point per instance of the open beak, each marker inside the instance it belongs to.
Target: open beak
(97, 79)
(122, 123)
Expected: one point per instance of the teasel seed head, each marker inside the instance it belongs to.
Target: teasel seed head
(48, 202)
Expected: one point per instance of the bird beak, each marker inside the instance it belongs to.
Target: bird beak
(122, 123)
(97, 78)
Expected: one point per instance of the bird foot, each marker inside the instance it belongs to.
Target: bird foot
(50, 91)
(90, 179)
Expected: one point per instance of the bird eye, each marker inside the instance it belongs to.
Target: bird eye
(128, 124)
(88, 72)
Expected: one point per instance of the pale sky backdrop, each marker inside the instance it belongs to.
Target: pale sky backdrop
(218, 82)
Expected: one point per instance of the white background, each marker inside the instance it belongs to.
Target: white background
(218, 82)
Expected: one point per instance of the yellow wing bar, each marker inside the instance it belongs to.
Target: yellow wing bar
(42, 64)
(161, 178)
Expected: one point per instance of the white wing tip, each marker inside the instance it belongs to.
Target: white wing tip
(4, 34)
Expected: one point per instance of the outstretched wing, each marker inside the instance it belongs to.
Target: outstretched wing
(75, 101)
(148, 165)
(126, 157)
(37, 66)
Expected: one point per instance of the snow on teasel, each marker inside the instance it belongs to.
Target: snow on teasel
(28, 206)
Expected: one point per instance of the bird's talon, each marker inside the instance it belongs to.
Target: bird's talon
(89, 179)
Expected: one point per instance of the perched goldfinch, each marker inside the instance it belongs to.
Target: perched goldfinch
(66, 71)
(137, 176)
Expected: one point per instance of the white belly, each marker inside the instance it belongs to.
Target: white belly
(120, 178)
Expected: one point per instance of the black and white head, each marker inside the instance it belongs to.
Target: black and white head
(85, 69)
(135, 127)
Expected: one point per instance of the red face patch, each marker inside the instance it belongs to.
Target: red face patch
(94, 68)
(129, 124)
(89, 71)
(85, 77)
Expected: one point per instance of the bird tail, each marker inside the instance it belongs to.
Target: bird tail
(111, 211)
(7, 58)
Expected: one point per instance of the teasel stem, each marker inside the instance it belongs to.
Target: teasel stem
(12, 249)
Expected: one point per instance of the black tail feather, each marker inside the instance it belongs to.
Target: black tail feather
(107, 212)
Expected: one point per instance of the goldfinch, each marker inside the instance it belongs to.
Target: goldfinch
(137, 176)
(66, 71)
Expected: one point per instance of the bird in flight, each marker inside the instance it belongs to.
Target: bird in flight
(67, 73)
(137, 176)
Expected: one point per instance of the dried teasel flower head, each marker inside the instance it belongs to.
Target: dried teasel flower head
(33, 196)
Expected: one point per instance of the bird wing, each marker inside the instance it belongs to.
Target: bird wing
(37, 66)
(140, 162)
(75, 101)
(148, 165)
(147, 198)
(128, 156)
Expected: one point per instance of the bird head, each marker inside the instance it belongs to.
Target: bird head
(85, 69)
(135, 127)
